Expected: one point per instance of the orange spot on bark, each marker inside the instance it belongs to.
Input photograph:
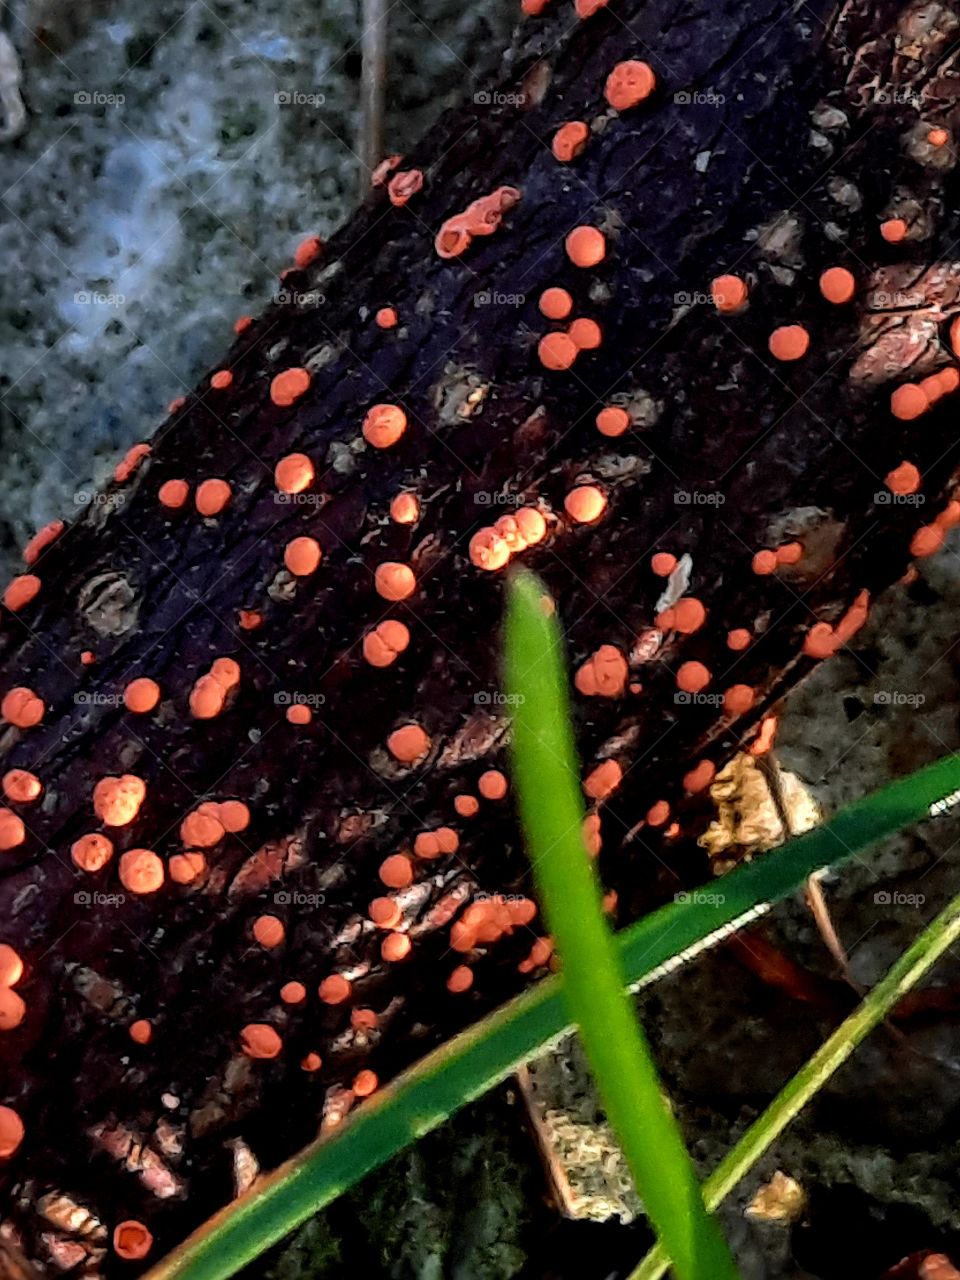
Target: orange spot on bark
(11, 1132)
(838, 285)
(628, 84)
(789, 342)
(570, 140)
(11, 966)
(131, 1240)
(764, 563)
(603, 780)
(408, 744)
(117, 800)
(555, 304)
(21, 707)
(141, 871)
(557, 351)
(738, 699)
(41, 540)
(307, 251)
(604, 674)
(789, 553)
(141, 695)
(173, 494)
(402, 186)
(221, 379)
(383, 425)
(288, 386)
(466, 806)
(212, 496)
(585, 334)
(394, 581)
(903, 479)
(131, 460)
(405, 508)
(586, 246)
(395, 947)
(386, 318)
(269, 931)
(729, 294)
(294, 473)
(894, 230)
(91, 852)
(585, 504)
(302, 556)
(260, 1040)
(613, 421)
(21, 787)
(20, 591)
(335, 989)
(492, 784)
(699, 777)
(908, 402)
(396, 871)
(692, 677)
(141, 1031)
(460, 979)
(927, 541)
(184, 868)
(738, 638)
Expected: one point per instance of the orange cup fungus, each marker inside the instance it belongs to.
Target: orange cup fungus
(221, 380)
(141, 871)
(729, 294)
(628, 84)
(11, 1132)
(585, 504)
(302, 556)
(21, 787)
(117, 800)
(394, 581)
(335, 989)
(386, 318)
(91, 852)
(613, 421)
(492, 785)
(557, 351)
(603, 780)
(384, 644)
(212, 496)
(383, 425)
(838, 285)
(141, 695)
(21, 707)
(555, 304)
(294, 473)
(570, 140)
(41, 540)
(604, 674)
(894, 230)
(268, 931)
(789, 342)
(141, 1031)
(20, 591)
(289, 386)
(586, 246)
(131, 1240)
(408, 744)
(12, 830)
(260, 1040)
(585, 334)
(173, 494)
(11, 966)
(405, 508)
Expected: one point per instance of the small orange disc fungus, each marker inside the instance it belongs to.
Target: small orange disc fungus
(555, 304)
(364, 1083)
(394, 581)
(729, 294)
(269, 931)
(386, 318)
(838, 285)
(460, 979)
(699, 777)
(91, 852)
(738, 699)
(383, 425)
(396, 871)
(141, 871)
(20, 591)
(41, 540)
(21, 707)
(335, 989)
(894, 230)
(289, 386)
(692, 677)
(764, 563)
(11, 966)
(789, 342)
(613, 421)
(570, 140)
(12, 1009)
(395, 947)
(131, 1240)
(141, 1031)
(294, 473)
(585, 334)
(557, 351)
(173, 494)
(302, 556)
(212, 496)
(492, 785)
(117, 800)
(11, 1132)
(385, 642)
(908, 402)
(488, 550)
(628, 84)
(602, 781)
(405, 508)
(586, 246)
(260, 1040)
(585, 504)
(221, 379)
(903, 479)
(738, 638)
(184, 868)
(141, 695)
(21, 787)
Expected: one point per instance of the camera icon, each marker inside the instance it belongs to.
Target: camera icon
(682, 699)
(282, 98)
(483, 498)
(882, 698)
(282, 898)
(682, 498)
(682, 99)
(82, 898)
(482, 99)
(882, 898)
(282, 699)
(482, 699)
(82, 98)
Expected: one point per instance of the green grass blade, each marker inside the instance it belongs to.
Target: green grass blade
(547, 783)
(940, 934)
(464, 1068)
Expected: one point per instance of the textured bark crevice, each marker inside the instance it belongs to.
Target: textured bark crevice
(742, 176)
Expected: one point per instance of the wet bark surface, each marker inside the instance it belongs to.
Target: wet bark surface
(733, 165)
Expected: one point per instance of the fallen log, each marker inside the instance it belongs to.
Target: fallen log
(160, 1052)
